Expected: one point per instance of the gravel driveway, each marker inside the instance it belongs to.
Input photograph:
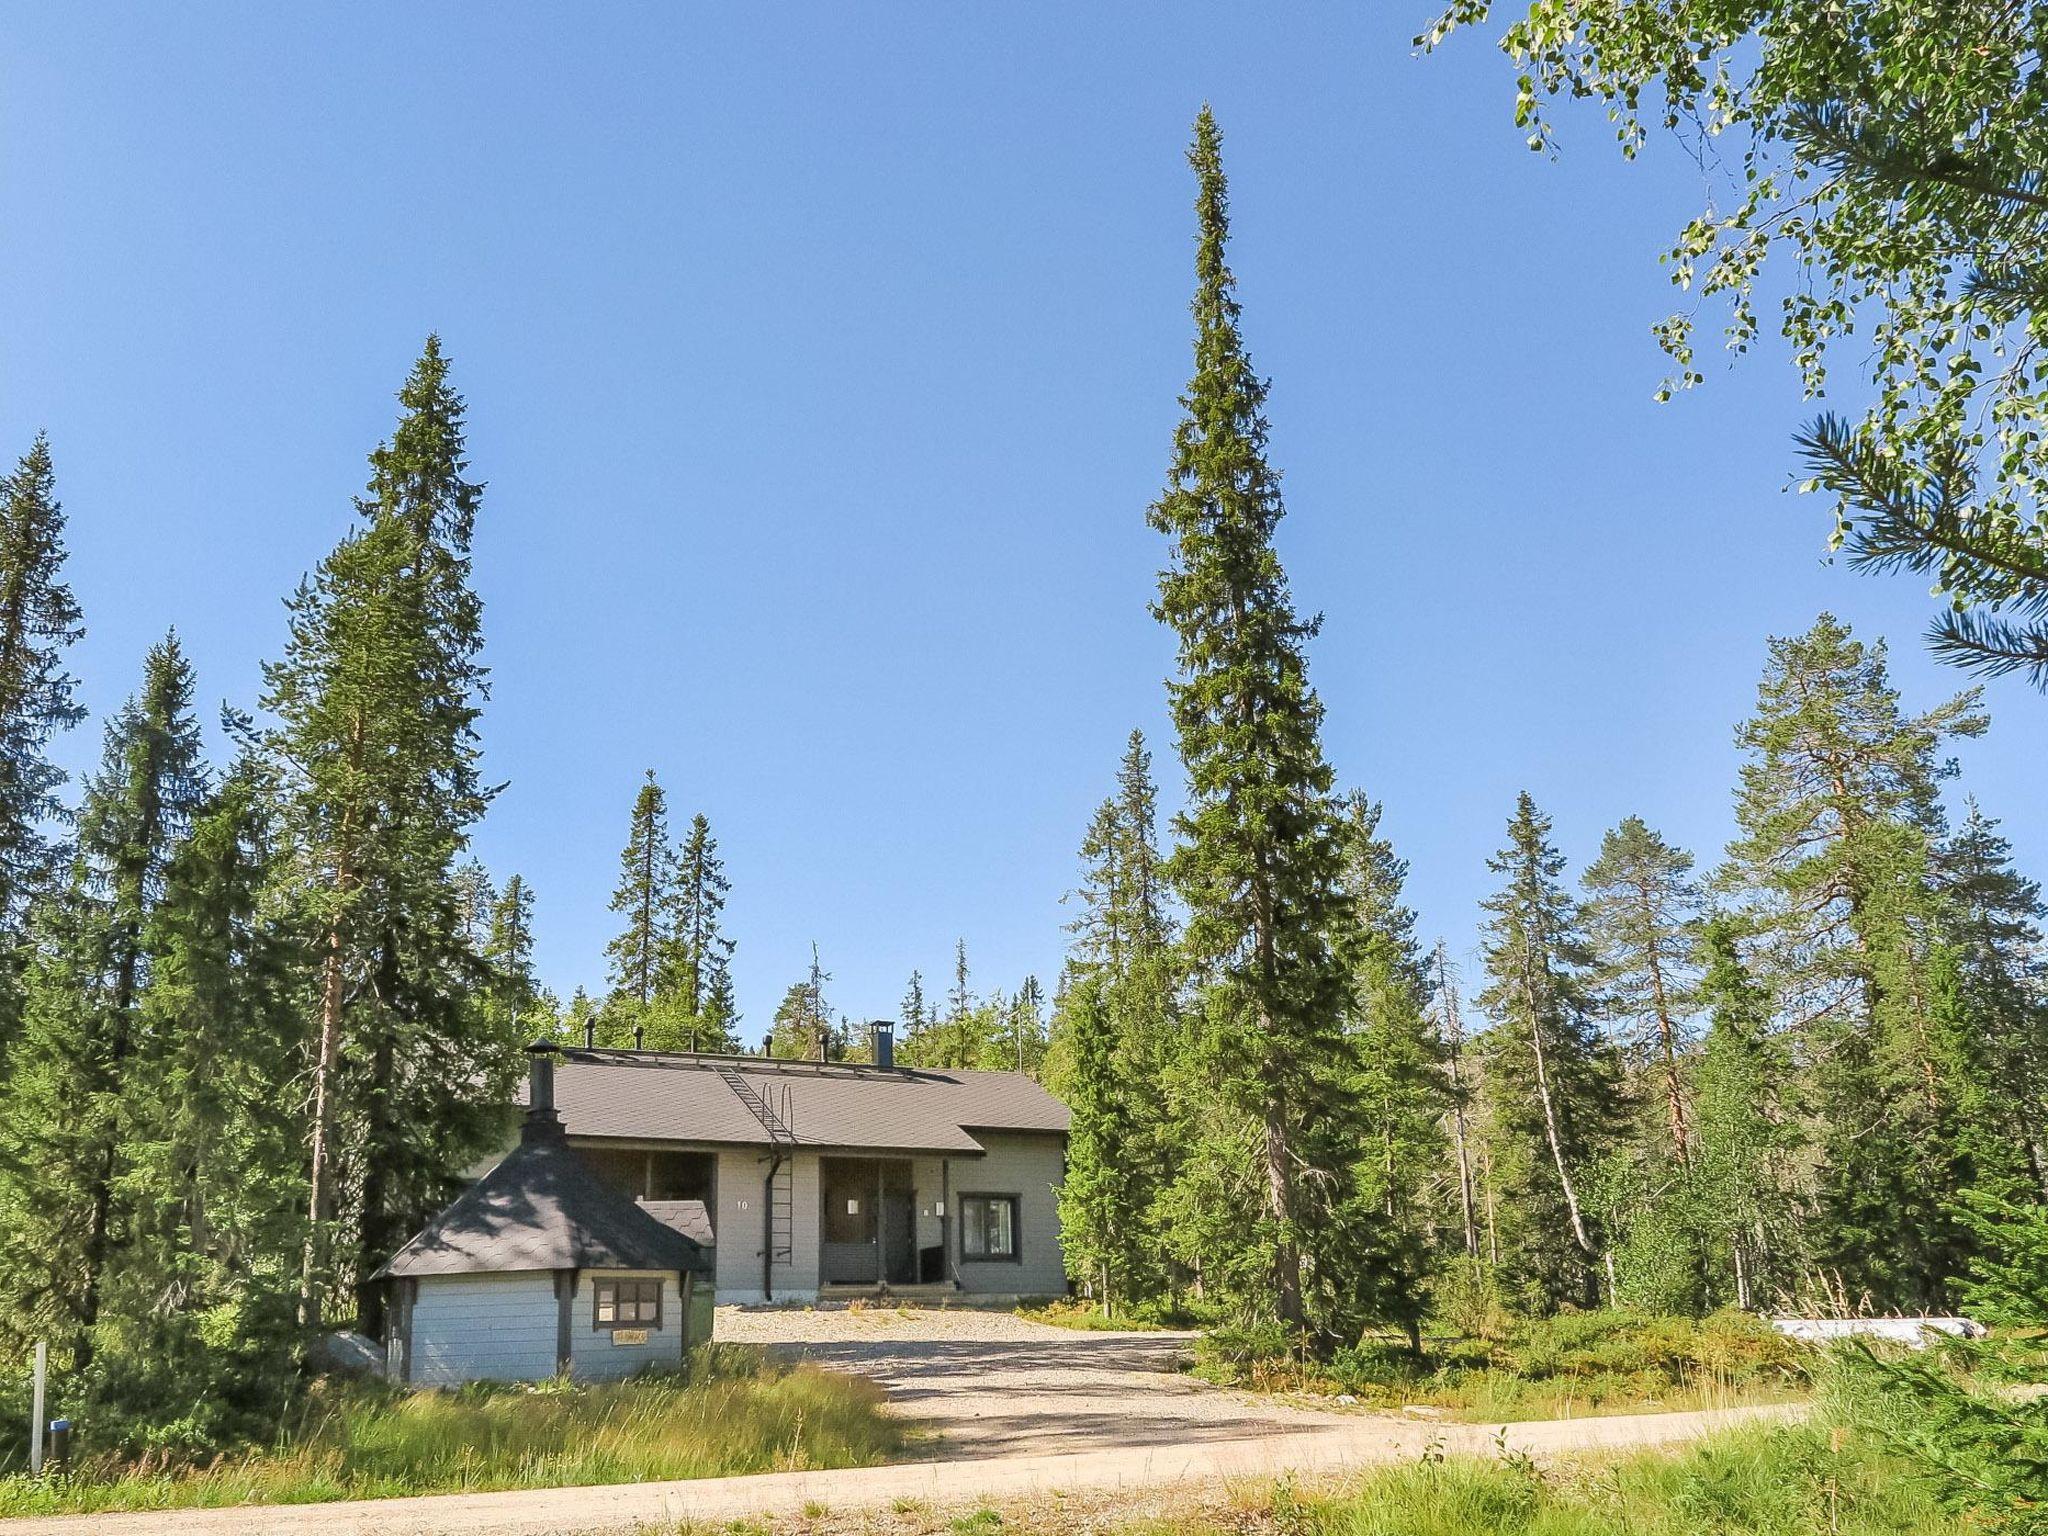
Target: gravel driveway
(992, 1383)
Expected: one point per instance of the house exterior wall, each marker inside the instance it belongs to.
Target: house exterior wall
(484, 1328)
(742, 1225)
(593, 1356)
(1023, 1164)
(1029, 1167)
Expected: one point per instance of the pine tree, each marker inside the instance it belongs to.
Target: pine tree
(75, 1063)
(1642, 913)
(1839, 822)
(39, 622)
(645, 897)
(373, 743)
(802, 1027)
(1551, 1087)
(1259, 864)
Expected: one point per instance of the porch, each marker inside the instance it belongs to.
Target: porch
(878, 1230)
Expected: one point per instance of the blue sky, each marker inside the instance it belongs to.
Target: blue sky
(822, 361)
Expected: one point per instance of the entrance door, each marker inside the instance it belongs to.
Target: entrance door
(899, 1225)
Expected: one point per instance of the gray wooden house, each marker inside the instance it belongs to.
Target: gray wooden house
(541, 1268)
(810, 1179)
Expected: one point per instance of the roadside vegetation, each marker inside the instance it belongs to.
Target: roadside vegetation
(1088, 1317)
(361, 1440)
(1567, 1366)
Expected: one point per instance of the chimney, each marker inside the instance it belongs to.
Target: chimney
(882, 1033)
(541, 1118)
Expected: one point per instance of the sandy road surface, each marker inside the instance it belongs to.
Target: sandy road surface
(662, 1506)
(1017, 1410)
(991, 1383)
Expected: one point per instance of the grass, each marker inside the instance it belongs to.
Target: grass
(1086, 1316)
(360, 1440)
(1569, 1366)
(1785, 1482)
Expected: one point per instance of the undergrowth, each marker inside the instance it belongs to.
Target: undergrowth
(354, 1440)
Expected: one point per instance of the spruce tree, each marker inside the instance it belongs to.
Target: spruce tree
(39, 622)
(507, 948)
(1259, 865)
(1112, 1053)
(76, 1061)
(1400, 1083)
(1551, 1087)
(1739, 1183)
(645, 898)
(697, 950)
(373, 744)
(200, 1301)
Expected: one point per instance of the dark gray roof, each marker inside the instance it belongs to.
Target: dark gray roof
(687, 1216)
(542, 1208)
(676, 1096)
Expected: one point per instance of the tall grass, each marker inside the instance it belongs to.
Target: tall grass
(1568, 1366)
(1786, 1482)
(360, 1441)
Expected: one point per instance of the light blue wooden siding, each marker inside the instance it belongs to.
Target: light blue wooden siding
(1029, 1167)
(484, 1328)
(592, 1354)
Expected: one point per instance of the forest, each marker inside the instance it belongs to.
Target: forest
(258, 1015)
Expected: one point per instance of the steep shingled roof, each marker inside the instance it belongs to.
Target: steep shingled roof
(678, 1096)
(542, 1208)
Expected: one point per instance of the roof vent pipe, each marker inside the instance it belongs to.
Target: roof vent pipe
(590, 1033)
(882, 1032)
(639, 1037)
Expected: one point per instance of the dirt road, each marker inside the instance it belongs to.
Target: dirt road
(991, 1383)
(713, 1501)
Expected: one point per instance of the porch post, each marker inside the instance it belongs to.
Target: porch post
(946, 1266)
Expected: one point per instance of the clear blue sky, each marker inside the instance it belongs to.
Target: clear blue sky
(822, 361)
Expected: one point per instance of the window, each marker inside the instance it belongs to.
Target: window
(627, 1303)
(988, 1226)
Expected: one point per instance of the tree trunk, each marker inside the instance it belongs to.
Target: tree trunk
(320, 1196)
(1550, 1130)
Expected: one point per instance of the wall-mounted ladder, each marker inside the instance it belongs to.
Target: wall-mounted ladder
(781, 1247)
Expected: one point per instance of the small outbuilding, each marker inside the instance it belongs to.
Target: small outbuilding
(541, 1269)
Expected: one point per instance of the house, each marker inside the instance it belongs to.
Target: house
(818, 1178)
(647, 1183)
(540, 1269)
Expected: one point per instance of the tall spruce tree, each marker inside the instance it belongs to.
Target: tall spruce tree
(645, 897)
(1259, 866)
(517, 997)
(1551, 1087)
(61, 1142)
(1739, 1181)
(1112, 1050)
(1835, 862)
(698, 951)
(1400, 1085)
(199, 1327)
(39, 622)
(373, 742)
